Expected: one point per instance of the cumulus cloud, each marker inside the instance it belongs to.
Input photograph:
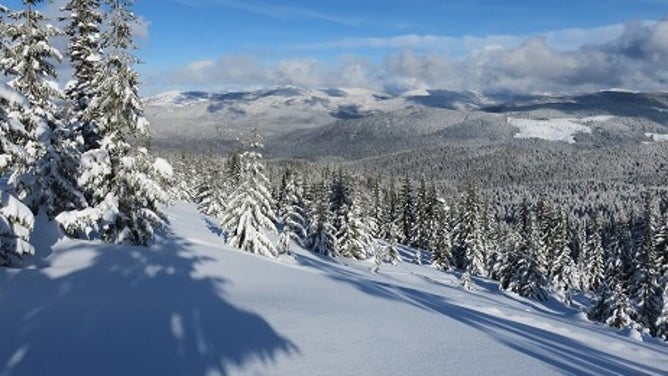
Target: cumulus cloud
(630, 56)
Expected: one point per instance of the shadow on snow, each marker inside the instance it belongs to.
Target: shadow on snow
(134, 311)
(561, 352)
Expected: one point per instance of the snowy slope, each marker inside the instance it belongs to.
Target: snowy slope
(192, 306)
(563, 129)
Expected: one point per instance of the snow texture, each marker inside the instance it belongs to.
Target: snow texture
(190, 305)
(555, 129)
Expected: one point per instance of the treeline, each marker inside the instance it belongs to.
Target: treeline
(74, 154)
(535, 246)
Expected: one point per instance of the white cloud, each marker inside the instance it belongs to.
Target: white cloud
(628, 56)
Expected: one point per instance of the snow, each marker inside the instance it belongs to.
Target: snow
(191, 305)
(162, 167)
(657, 137)
(11, 95)
(563, 129)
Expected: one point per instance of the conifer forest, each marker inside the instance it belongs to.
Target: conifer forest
(486, 191)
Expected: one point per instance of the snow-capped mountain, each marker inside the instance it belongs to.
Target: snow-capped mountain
(350, 123)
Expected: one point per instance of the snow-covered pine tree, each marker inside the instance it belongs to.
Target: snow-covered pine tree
(250, 209)
(509, 258)
(441, 256)
(121, 187)
(661, 241)
(209, 193)
(321, 232)
(293, 216)
(84, 21)
(661, 322)
(50, 181)
(562, 271)
(377, 207)
(354, 236)
(407, 212)
(529, 277)
(16, 220)
(389, 223)
(645, 286)
(387, 250)
(613, 306)
(340, 198)
(661, 245)
(468, 236)
(422, 229)
(594, 267)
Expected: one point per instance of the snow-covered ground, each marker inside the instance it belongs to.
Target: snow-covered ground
(190, 305)
(555, 129)
(657, 137)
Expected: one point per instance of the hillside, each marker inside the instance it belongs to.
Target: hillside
(437, 133)
(191, 305)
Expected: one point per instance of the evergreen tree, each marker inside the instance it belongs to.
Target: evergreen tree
(645, 284)
(85, 54)
(613, 306)
(321, 232)
(293, 216)
(389, 223)
(354, 237)
(48, 182)
(441, 249)
(422, 228)
(121, 188)
(468, 244)
(378, 209)
(529, 278)
(249, 212)
(594, 267)
(210, 191)
(406, 212)
(16, 220)
(661, 323)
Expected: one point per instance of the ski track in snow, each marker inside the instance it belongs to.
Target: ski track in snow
(191, 305)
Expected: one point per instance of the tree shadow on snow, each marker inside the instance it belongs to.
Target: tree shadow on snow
(561, 352)
(134, 311)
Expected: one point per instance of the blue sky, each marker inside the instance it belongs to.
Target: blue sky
(397, 44)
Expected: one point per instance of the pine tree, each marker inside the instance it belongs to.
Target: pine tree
(354, 237)
(321, 232)
(378, 209)
(249, 212)
(468, 245)
(388, 250)
(210, 191)
(645, 284)
(389, 223)
(340, 198)
(529, 277)
(441, 249)
(406, 212)
(613, 306)
(293, 216)
(594, 267)
(85, 54)
(48, 182)
(422, 228)
(16, 220)
(121, 187)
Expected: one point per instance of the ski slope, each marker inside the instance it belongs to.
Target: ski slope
(190, 305)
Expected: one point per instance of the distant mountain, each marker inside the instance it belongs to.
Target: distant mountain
(358, 123)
